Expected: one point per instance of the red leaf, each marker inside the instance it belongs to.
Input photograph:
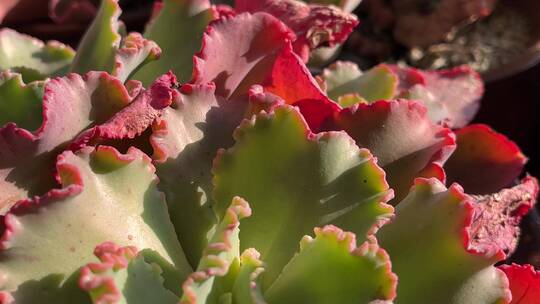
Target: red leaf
(314, 25)
(484, 161)
(406, 143)
(524, 283)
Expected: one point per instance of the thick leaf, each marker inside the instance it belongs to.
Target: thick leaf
(97, 49)
(452, 96)
(331, 269)
(287, 173)
(497, 216)
(123, 276)
(70, 104)
(240, 51)
(524, 283)
(39, 60)
(185, 141)
(343, 78)
(399, 133)
(136, 117)
(246, 289)
(215, 275)
(134, 52)
(431, 250)
(106, 196)
(271, 63)
(314, 25)
(484, 161)
(291, 80)
(20, 103)
(178, 31)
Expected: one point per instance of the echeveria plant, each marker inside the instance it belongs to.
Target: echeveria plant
(136, 171)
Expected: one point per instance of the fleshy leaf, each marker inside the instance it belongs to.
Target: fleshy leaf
(246, 289)
(97, 49)
(314, 25)
(106, 196)
(239, 51)
(272, 64)
(210, 281)
(136, 117)
(134, 52)
(286, 173)
(450, 95)
(188, 19)
(185, 140)
(484, 161)
(123, 276)
(70, 104)
(37, 58)
(430, 245)
(497, 216)
(524, 283)
(343, 78)
(331, 269)
(20, 103)
(406, 143)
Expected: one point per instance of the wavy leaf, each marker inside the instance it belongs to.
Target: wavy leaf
(134, 52)
(70, 104)
(524, 283)
(332, 182)
(135, 118)
(97, 49)
(106, 196)
(399, 133)
(37, 59)
(235, 58)
(331, 269)
(452, 96)
(314, 25)
(344, 78)
(484, 161)
(20, 103)
(246, 289)
(215, 275)
(272, 64)
(430, 245)
(188, 19)
(123, 276)
(184, 158)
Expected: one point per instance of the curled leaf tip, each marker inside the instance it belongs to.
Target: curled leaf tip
(93, 277)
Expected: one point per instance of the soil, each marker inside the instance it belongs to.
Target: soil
(484, 44)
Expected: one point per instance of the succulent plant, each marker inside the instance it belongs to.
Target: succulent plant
(136, 171)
